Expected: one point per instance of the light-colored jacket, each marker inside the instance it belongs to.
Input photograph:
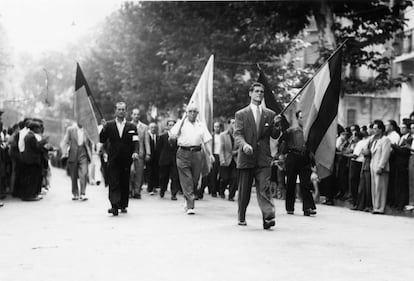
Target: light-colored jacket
(226, 149)
(380, 154)
(70, 144)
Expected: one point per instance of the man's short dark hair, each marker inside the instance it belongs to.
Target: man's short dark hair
(255, 84)
(380, 125)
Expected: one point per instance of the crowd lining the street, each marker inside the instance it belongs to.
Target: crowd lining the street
(374, 165)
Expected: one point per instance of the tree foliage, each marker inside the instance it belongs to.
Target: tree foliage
(154, 52)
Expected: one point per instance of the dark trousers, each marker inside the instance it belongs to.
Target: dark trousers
(297, 164)
(261, 177)
(118, 176)
(152, 175)
(228, 177)
(166, 173)
(354, 178)
(214, 181)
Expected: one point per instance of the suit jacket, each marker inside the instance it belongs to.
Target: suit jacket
(32, 153)
(119, 149)
(144, 143)
(166, 150)
(245, 133)
(70, 144)
(380, 154)
(153, 149)
(226, 149)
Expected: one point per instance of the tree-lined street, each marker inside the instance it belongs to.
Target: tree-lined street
(58, 239)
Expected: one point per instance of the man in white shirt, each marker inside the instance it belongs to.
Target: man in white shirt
(191, 136)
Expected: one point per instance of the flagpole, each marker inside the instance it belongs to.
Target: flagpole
(309, 80)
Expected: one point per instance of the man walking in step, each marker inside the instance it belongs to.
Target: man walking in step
(77, 147)
(167, 163)
(152, 163)
(298, 162)
(191, 135)
(228, 155)
(138, 165)
(253, 129)
(121, 138)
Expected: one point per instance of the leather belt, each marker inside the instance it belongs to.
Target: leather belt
(191, 148)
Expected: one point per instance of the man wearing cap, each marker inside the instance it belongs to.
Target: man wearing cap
(191, 136)
(77, 147)
(253, 128)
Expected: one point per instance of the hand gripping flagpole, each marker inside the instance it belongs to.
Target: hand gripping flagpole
(309, 80)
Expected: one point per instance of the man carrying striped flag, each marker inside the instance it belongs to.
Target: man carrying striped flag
(312, 142)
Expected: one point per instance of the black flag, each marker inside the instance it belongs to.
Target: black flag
(269, 98)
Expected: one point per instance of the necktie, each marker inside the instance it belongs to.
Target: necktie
(257, 119)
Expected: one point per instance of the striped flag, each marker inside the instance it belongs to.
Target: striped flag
(84, 113)
(319, 105)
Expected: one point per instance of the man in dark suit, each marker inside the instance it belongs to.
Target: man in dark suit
(121, 138)
(254, 126)
(152, 164)
(167, 163)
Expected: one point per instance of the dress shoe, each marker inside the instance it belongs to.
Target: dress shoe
(113, 211)
(98, 182)
(242, 223)
(1, 204)
(328, 202)
(173, 197)
(222, 196)
(124, 210)
(74, 198)
(214, 195)
(290, 212)
(190, 212)
(309, 212)
(83, 198)
(231, 199)
(137, 196)
(162, 193)
(267, 224)
(36, 198)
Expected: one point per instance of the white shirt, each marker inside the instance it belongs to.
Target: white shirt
(80, 136)
(358, 149)
(412, 145)
(217, 144)
(120, 126)
(153, 138)
(394, 137)
(192, 134)
(22, 133)
(254, 110)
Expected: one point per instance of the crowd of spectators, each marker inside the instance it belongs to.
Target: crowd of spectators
(374, 167)
(24, 160)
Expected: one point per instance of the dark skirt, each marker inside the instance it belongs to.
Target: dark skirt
(30, 181)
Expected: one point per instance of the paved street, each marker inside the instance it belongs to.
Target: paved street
(58, 239)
